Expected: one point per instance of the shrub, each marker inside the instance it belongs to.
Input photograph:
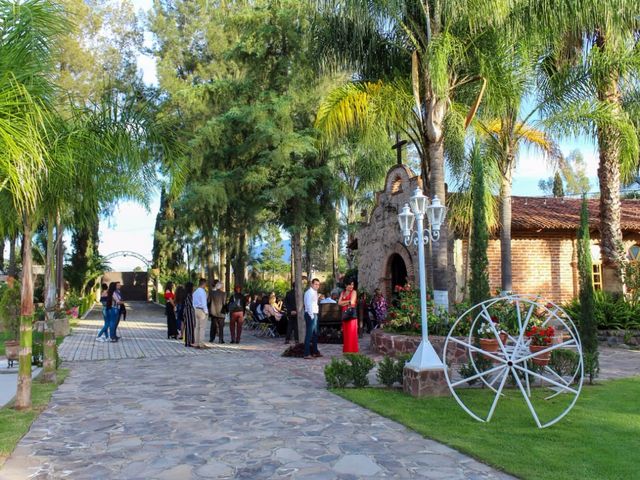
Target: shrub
(337, 373)
(361, 365)
(387, 372)
(611, 312)
(564, 361)
(401, 361)
(10, 309)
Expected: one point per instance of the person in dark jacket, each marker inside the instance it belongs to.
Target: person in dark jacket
(291, 310)
(236, 307)
(217, 310)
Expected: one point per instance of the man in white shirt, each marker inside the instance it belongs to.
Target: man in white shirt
(311, 320)
(200, 305)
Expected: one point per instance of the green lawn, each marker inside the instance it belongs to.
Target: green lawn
(14, 424)
(599, 439)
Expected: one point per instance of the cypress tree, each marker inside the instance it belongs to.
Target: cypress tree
(479, 281)
(587, 323)
(558, 186)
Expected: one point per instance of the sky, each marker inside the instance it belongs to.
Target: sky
(131, 227)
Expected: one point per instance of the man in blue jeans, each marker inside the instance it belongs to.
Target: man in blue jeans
(311, 320)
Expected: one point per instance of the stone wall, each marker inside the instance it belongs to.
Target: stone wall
(615, 338)
(394, 344)
(380, 238)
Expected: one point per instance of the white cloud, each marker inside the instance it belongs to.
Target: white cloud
(532, 164)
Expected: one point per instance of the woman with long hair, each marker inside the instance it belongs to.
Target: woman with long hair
(236, 307)
(180, 295)
(113, 308)
(348, 302)
(170, 311)
(189, 316)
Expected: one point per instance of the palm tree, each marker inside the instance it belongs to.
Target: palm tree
(430, 43)
(590, 68)
(29, 30)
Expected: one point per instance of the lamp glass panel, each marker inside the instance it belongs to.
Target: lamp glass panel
(418, 202)
(406, 219)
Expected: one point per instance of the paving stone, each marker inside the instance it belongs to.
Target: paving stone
(360, 465)
(215, 470)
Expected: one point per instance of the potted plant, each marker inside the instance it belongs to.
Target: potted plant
(487, 336)
(10, 313)
(540, 338)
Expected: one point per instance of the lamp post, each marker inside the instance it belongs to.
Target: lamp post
(425, 357)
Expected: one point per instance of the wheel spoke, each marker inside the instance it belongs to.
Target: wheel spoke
(526, 397)
(546, 379)
(478, 350)
(481, 374)
(498, 393)
(548, 349)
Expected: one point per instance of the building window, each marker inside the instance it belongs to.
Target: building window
(596, 276)
(634, 253)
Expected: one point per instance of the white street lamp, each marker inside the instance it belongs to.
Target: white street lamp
(425, 357)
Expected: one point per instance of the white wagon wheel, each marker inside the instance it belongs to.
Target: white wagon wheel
(514, 358)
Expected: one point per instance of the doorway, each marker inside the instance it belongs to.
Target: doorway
(398, 271)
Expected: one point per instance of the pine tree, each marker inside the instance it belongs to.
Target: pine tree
(587, 323)
(479, 281)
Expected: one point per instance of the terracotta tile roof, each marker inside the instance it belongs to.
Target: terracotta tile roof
(537, 213)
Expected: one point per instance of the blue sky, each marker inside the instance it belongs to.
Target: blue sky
(131, 227)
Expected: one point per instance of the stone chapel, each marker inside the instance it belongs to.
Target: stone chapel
(544, 246)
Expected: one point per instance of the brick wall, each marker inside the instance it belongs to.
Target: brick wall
(545, 264)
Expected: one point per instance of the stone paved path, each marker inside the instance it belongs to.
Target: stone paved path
(157, 410)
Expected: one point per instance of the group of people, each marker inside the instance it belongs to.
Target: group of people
(188, 310)
(113, 309)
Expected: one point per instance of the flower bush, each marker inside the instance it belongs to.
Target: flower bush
(540, 336)
(486, 331)
(404, 315)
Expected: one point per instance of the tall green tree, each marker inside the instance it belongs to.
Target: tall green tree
(426, 49)
(479, 281)
(590, 69)
(28, 43)
(588, 322)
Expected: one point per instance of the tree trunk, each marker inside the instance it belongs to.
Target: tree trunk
(296, 249)
(611, 248)
(227, 267)
(59, 261)
(49, 362)
(23, 394)
(2, 242)
(435, 112)
(336, 247)
(222, 261)
(308, 254)
(439, 256)
(238, 267)
(505, 227)
(12, 270)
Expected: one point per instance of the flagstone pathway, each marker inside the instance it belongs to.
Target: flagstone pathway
(153, 409)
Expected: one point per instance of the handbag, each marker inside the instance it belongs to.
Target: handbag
(349, 313)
